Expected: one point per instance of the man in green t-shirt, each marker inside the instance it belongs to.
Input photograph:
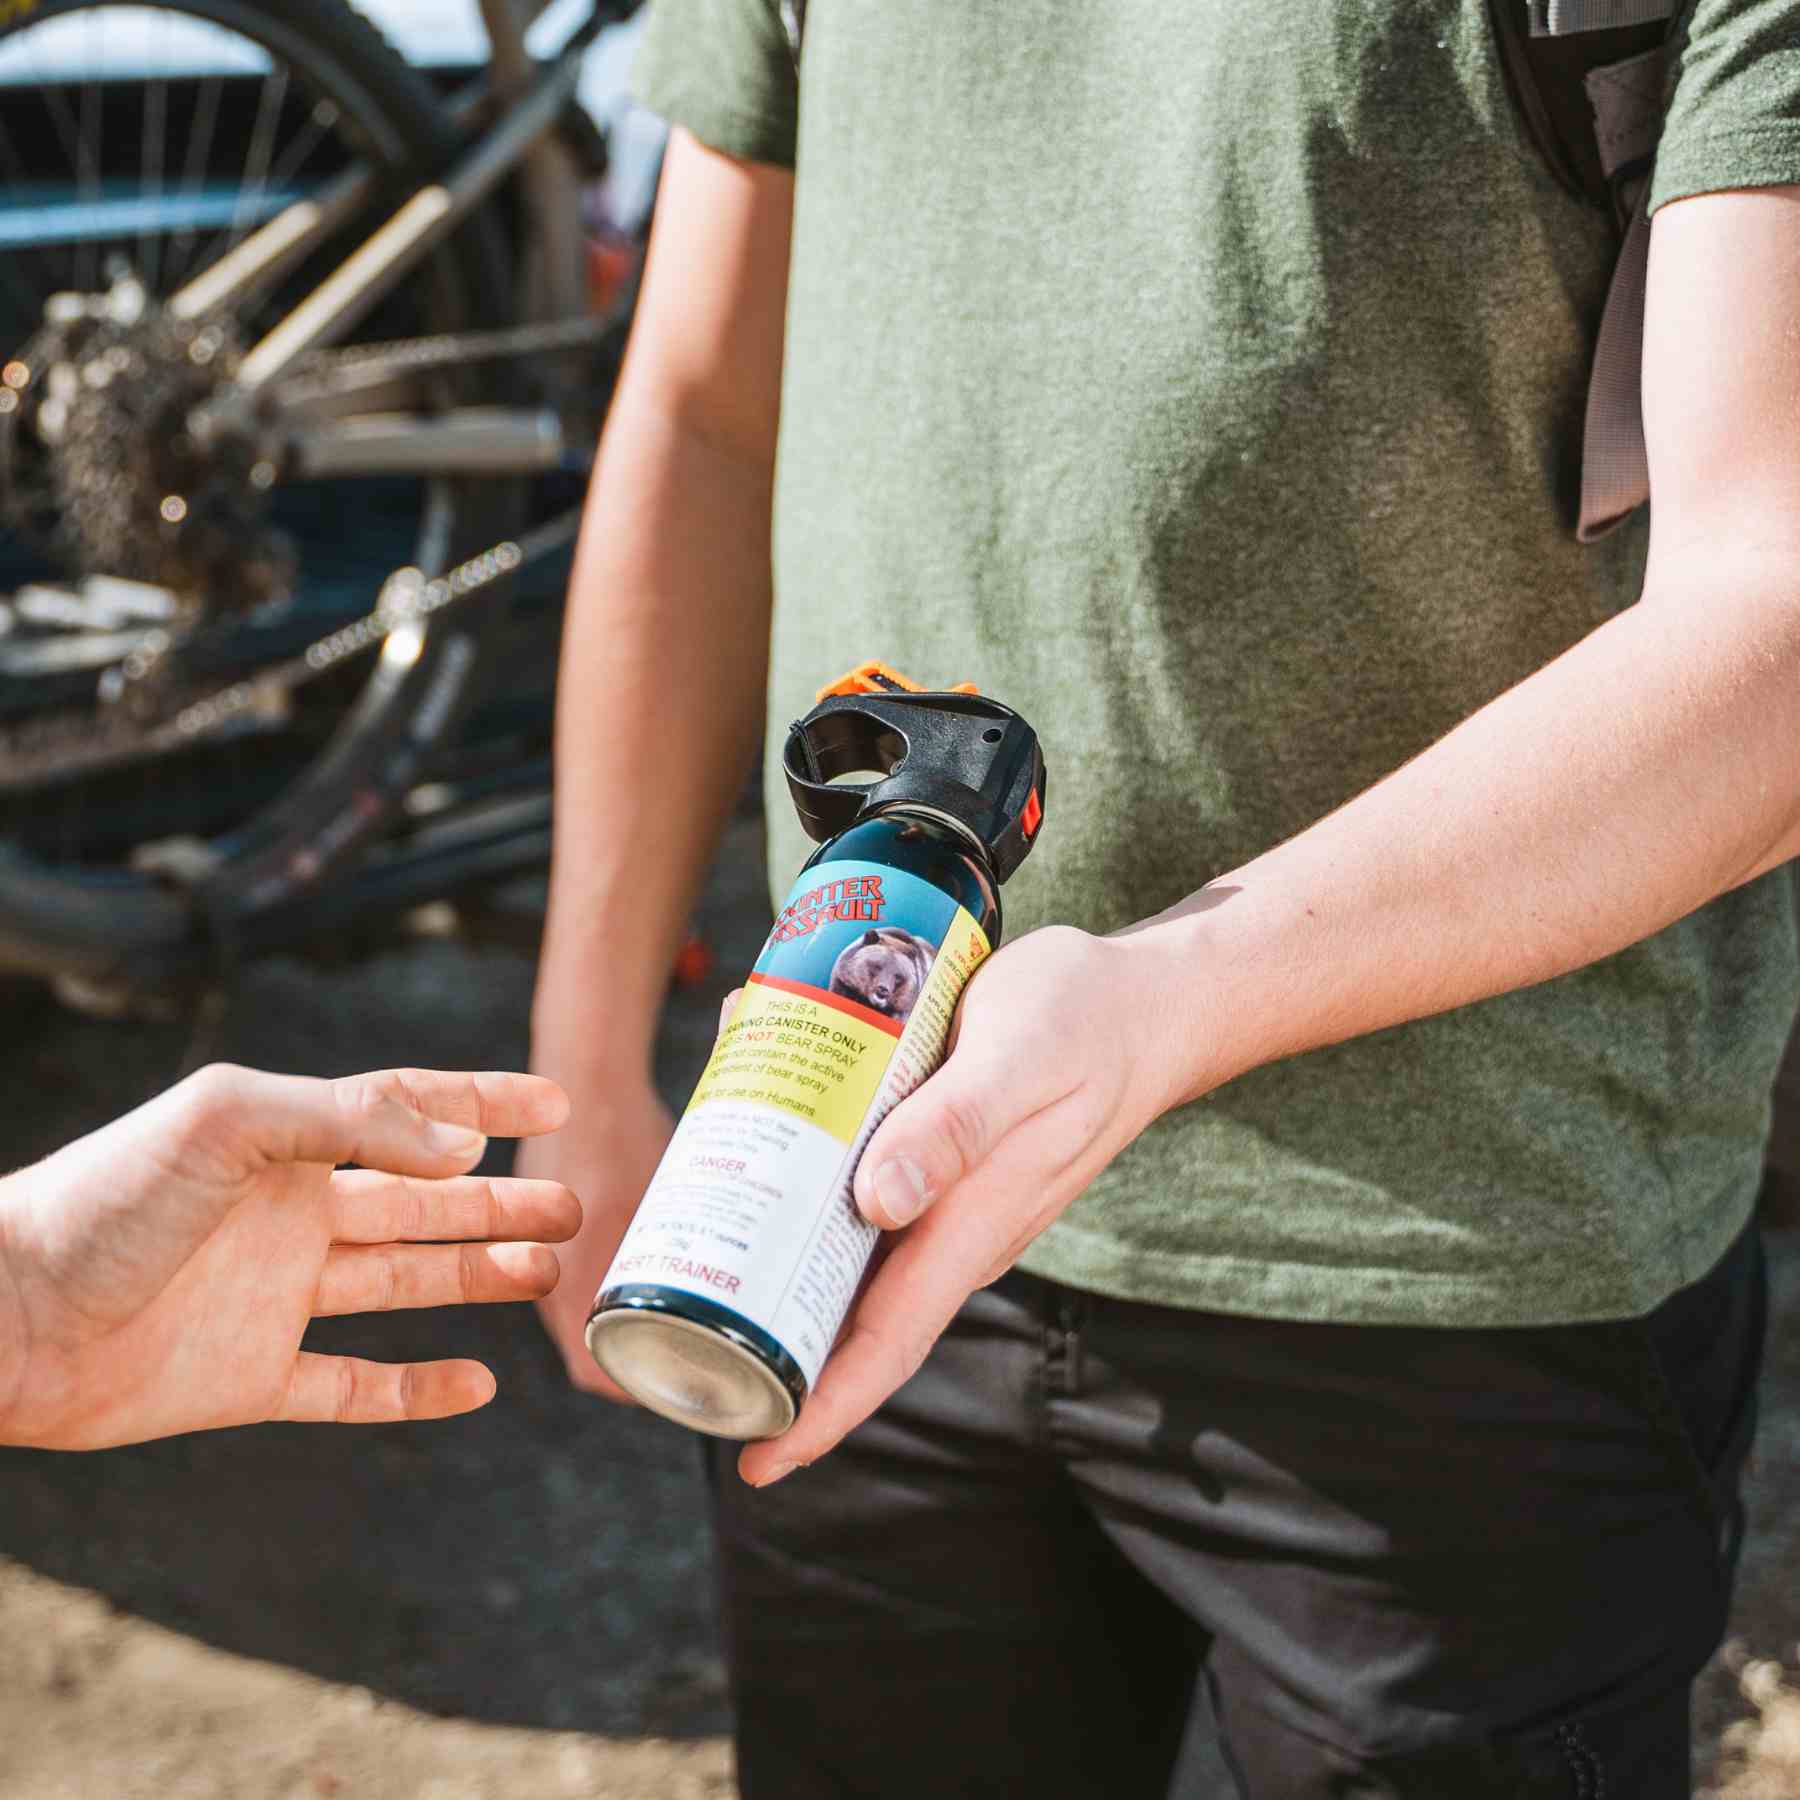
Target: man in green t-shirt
(1370, 1098)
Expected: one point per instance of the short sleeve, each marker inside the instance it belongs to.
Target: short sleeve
(724, 69)
(1733, 113)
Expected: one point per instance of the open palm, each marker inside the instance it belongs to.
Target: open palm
(157, 1275)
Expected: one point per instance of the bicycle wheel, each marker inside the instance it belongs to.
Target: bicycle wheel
(141, 147)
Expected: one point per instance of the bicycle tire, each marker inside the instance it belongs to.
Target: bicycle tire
(110, 924)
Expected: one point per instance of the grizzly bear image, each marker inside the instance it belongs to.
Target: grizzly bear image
(884, 970)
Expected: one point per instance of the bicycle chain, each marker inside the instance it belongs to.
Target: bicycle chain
(328, 372)
(407, 596)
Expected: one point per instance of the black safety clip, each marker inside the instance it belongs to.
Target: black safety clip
(959, 754)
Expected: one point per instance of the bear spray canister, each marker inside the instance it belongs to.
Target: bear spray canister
(741, 1264)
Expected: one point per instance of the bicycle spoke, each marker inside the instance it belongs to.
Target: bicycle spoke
(322, 118)
(262, 143)
(92, 127)
(199, 150)
(156, 118)
(66, 129)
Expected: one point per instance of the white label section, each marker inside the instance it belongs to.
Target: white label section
(733, 1210)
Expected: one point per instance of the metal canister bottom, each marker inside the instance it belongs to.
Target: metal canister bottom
(695, 1362)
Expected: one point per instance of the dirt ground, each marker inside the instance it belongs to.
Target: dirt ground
(515, 1604)
(99, 1703)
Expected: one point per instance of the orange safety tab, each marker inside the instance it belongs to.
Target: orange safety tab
(1033, 814)
(878, 678)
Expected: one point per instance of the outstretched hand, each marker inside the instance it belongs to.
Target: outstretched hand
(156, 1276)
(1066, 1048)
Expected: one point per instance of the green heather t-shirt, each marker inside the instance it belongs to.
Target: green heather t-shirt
(1205, 381)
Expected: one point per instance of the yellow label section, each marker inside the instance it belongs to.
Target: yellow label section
(964, 947)
(803, 1056)
(824, 1063)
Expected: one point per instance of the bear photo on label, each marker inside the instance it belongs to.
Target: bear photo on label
(884, 970)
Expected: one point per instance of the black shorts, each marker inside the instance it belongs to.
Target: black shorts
(1443, 1564)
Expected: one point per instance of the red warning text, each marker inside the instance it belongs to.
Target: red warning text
(855, 900)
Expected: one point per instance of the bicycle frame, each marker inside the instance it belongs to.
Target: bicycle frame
(315, 410)
(532, 98)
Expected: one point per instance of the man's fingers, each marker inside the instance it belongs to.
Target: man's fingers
(944, 1132)
(369, 1207)
(914, 1294)
(346, 1390)
(726, 1007)
(388, 1277)
(407, 1121)
(900, 1316)
(928, 1274)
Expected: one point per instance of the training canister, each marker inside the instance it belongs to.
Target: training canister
(737, 1272)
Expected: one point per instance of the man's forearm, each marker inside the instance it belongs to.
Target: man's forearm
(1653, 766)
(660, 701)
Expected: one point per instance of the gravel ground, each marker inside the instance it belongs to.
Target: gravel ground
(513, 1604)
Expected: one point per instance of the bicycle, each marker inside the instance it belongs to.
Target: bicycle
(288, 288)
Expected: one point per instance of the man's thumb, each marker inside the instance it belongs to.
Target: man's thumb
(933, 1139)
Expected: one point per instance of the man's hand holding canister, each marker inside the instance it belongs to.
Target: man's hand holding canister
(1067, 1046)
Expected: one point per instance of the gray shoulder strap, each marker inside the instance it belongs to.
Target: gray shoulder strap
(1615, 464)
(1564, 18)
(793, 25)
(1627, 98)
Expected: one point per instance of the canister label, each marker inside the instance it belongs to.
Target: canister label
(847, 1010)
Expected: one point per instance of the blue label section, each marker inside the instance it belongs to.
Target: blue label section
(865, 932)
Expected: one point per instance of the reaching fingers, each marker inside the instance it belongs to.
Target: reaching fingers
(926, 1277)
(486, 1104)
(387, 1277)
(408, 1121)
(346, 1390)
(369, 1207)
